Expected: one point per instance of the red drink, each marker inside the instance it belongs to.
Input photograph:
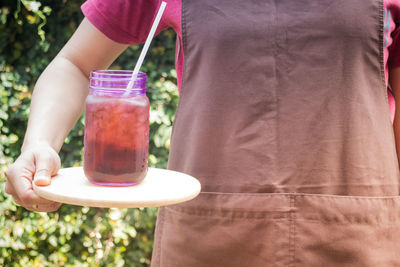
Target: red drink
(116, 138)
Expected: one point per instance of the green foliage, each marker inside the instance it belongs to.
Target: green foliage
(31, 34)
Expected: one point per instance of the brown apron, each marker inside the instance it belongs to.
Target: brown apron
(284, 119)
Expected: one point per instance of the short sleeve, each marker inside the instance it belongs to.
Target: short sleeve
(394, 49)
(123, 21)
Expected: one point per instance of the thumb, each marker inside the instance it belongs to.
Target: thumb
(47, 163)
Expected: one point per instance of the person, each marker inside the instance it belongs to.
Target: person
(283, 117)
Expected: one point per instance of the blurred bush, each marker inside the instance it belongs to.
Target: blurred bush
(31, 34)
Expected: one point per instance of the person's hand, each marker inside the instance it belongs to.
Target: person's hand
(36, 164)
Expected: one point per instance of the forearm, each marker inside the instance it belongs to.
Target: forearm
(60, 92)
(57, 102)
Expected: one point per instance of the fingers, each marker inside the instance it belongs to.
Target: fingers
(9, 189)
(40, 206)
(17, 201)
(47, 164)
(44, 208)
(21, 173)
(20, 186)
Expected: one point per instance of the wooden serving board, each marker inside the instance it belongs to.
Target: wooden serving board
(159, 188)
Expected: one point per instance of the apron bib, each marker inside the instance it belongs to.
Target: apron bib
(283, 117)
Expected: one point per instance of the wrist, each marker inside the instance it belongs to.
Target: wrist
(31, 144)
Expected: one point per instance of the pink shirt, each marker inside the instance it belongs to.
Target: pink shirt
(129, 21)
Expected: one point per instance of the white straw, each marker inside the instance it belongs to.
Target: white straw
(146, 45)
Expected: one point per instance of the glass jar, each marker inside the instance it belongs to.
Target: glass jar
(116, 129)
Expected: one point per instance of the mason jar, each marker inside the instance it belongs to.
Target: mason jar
(116, 137)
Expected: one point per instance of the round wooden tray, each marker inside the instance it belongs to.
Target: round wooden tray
(159, 188)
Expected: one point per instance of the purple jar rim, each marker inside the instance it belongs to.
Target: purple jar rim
(116, 80)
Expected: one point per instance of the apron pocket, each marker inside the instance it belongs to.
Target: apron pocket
(220, 229)
(346, 231)
(239, 229)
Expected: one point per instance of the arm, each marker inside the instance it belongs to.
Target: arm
(60, 91)
(395, 84)
(57, 102)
